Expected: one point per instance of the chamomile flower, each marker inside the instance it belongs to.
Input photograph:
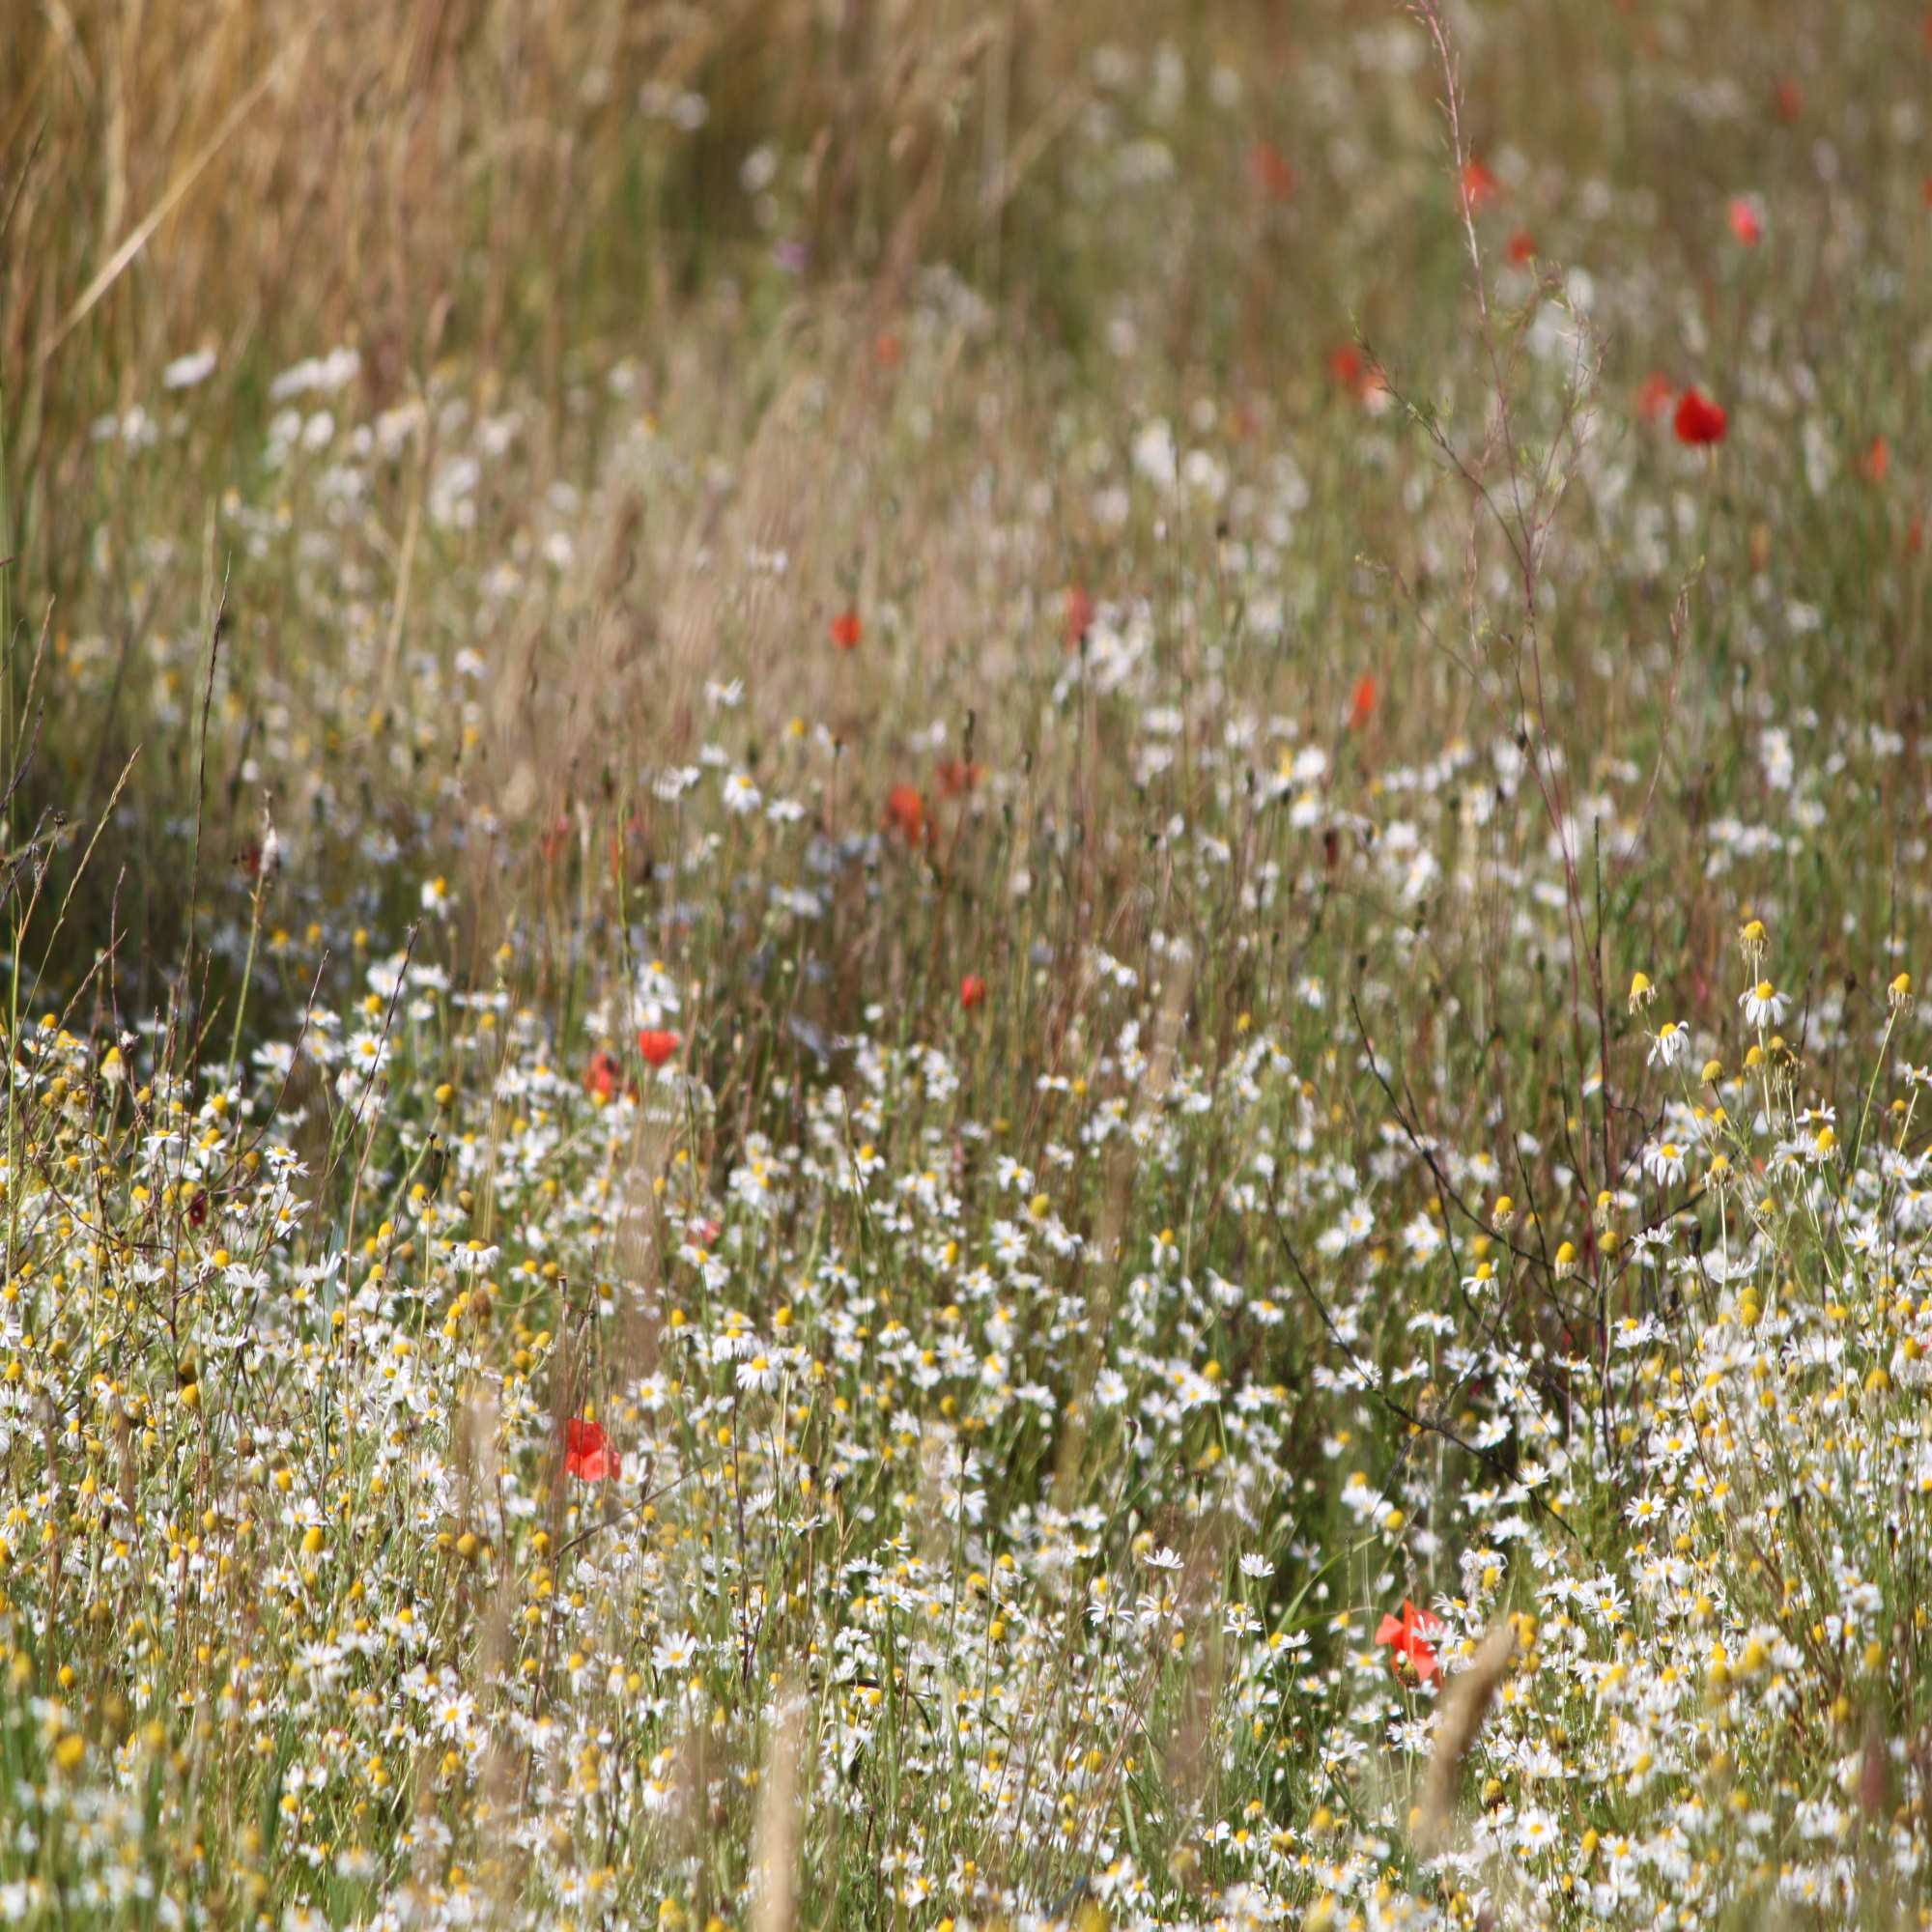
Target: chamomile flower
(1668, 1044)
(758, 1374)
(1663, 1162)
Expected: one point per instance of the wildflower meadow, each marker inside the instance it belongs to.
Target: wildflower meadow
(963, 965)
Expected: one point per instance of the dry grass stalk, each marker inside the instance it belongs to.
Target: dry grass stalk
(1466, 1702)
(776, 1841)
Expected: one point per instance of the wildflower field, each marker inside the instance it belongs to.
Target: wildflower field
(961, 964)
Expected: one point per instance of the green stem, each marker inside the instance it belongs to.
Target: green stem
(247, 974)
(1884, 1046)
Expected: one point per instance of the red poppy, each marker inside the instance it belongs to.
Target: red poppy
(971, 991)
(656, 1044)
(1362, 705)
(1270, 171)
(1412, 1656)
(1079, 616)
(1698, 419)
(554, 836)
(905, 810)
(1345, 365)
(1790, 101)
(1877, 460)
(1747, 223)
(846, 629)
(1351, 370)
(958, 777)
(1479, 184)
(601, 1074)
(588, 1453)
(886, 349)
(1521, 247)
(1653, 396)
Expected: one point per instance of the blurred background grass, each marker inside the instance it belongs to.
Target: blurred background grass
(423, 176)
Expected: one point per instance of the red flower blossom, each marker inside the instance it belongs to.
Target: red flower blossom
(656, 1044)
(1270, 171)
(958, 777)
(905, 810)
(1411, 1653)
(1079, 616)
(600, 1075)
(588, 1453)
(1345, 365)
(846, 629)
(1790, 101)
(1877, 460)
(1479, 184)
(886, 349)
(1747, 223)
(1698, 419)
(971, 991)
(1653, 396)
(1362, 705)
(554, 836)
(1353, 371)
(1521, 247)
